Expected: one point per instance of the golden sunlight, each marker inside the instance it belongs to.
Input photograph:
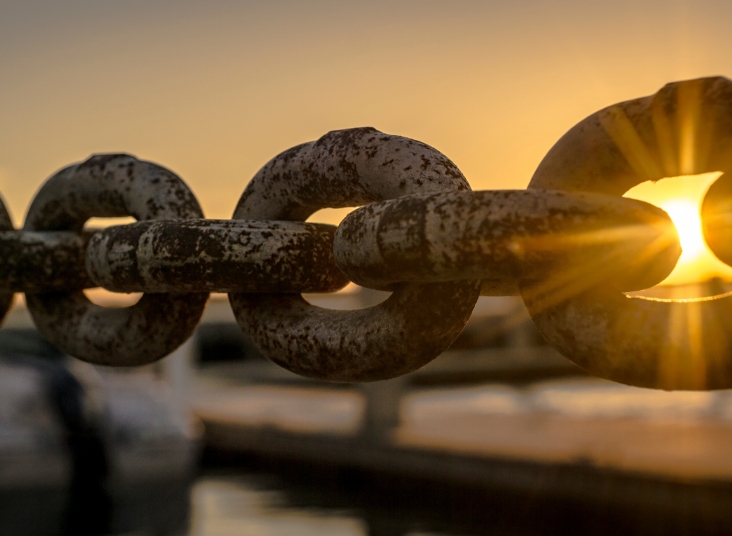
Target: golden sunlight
(685, 215)
(681, 198)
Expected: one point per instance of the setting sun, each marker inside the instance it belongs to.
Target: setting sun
(685, 215)
(681, 198)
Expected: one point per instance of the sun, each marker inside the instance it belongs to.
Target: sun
(681, 198)
(685, 215)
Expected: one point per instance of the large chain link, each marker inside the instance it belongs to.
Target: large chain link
(570, 245)
(415, 324)
(684, 129)
(113, 185)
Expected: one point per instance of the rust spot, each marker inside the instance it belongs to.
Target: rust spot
(384, 341)
(158, 323)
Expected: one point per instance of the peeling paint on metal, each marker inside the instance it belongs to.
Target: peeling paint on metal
(419, 321)
(43, 261)
(108, 186)
(215, 256)
(503, 237)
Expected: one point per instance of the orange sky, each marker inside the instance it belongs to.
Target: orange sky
(213, 90)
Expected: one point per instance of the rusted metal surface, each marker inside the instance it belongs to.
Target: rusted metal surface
(107, 186)
(48, 261)
(6, 298)
(683, 129)
(569, 244)
(215, 256)
(402, 334)
(640, 341)
(346, 168)
(505, 236)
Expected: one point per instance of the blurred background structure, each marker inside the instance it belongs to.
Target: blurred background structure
(500, 434)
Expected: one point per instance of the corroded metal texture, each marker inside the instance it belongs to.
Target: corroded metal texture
(215, 256)
(48, 261)
(346, 168)
(640, 341)
(412, 327)
(683, 129)
(6, 298)
(106, 186)
(505, 236)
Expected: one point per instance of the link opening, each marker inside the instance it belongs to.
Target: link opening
(351, 298)
(103, 223)
(698, 272)
(106, 298)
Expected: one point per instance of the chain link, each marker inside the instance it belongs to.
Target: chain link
(215, 256)
(415, 324)
(6, 292)
(113, 185)
(527, 235)
(649, 343)
(569, 245)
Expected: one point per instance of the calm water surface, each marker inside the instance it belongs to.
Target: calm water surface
(262, 505)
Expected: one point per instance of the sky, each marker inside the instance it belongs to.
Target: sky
(213, 90)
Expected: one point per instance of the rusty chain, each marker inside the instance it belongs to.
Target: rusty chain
(570, 245)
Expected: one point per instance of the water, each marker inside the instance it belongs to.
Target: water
(261, 496)
(263, 505)
(581, 423)
(290, 501)
(293, 499)
(239, 506)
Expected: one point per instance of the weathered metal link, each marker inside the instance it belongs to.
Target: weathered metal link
(505, 236)
(108, 186)
(47, 261)
(407, 331)
(570, 245)
(215, 256)
(683, 129)
(346, 168)
(6, 298)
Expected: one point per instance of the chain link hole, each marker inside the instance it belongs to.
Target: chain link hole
(698, 273)
(350, 298)
(100, 296)
(102, 223)
(105, 298)
(333, 216)
(353, 296)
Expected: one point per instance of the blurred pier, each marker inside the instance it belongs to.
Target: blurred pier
(500, 427)
(499, 412)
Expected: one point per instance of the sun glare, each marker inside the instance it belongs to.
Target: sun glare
(681, 198)
(685, 215)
